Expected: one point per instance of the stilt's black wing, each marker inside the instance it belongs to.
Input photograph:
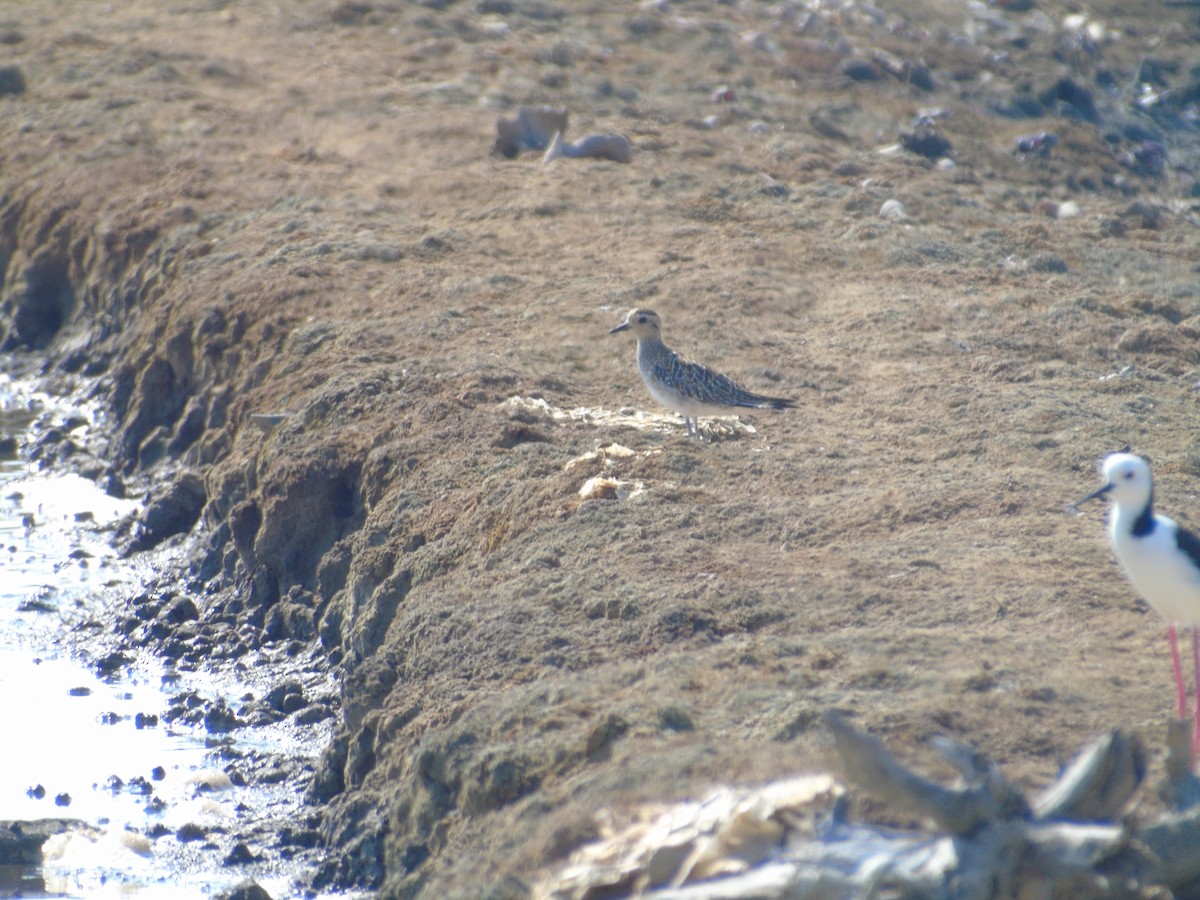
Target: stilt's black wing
(1189, 544)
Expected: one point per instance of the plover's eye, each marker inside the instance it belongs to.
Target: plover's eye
(642, 320)
(1128, 475)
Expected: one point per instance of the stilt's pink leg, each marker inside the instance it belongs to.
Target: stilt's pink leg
(1196, 708)
(1180, 690)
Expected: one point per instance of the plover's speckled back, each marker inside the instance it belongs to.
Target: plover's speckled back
(689, 388)
(1160, 557)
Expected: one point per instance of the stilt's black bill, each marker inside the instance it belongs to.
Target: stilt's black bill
(1099, 492)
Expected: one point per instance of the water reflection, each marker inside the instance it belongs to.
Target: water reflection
(76, 746)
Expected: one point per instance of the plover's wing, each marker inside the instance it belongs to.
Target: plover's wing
(704, 385)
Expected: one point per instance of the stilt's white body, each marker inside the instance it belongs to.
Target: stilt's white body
(1161, 559)
(1165, 576)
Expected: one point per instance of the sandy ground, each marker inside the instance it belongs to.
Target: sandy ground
(223, 209)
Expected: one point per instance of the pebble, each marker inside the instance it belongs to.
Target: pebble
(1040, 143)
(1146, 158)
(532, 129)
(892, 209)
(596, 146)
(244, 890)
(190, 832)
(928, 142)
(240, 855)
(12, 81)
(857, 69)
(1071, 99)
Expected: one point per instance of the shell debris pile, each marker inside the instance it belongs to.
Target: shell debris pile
(714, 428)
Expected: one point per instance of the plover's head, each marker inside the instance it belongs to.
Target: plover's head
(1126, 479)
(641, 323)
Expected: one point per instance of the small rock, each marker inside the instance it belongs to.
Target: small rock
(112, 485)
(190, 832)
(860, 70)
(532, 129)
(240, 855)
(11, 80)
(279, 696)
(21, 842)
(595, 146)
(1146, 158)
(644, 26)
(244, 890)
(676, 718)
(1040, 143)
(602, 736)
(1144, 215)
(174, 512)
(892, 209)
(9, 446)
(106, 665)
(926, 141)
(220, 719)
(1047, 208)
(1070, 99)
(1047, 262)
(312, 714)
(63, 799)
(180, 610)
(273, 775)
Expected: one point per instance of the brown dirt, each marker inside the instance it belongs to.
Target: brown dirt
(253, 208)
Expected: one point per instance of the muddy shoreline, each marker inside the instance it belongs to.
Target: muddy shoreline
(227, 730)
(273, 245)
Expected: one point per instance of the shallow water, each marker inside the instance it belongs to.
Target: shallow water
(102, 742)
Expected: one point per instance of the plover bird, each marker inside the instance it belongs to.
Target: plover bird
(1160, 557)
(689, 388)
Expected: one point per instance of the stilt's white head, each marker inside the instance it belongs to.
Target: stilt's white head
(1127, 479)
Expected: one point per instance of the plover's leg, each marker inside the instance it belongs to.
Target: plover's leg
(1180, 690)
(691, 425)
(1196, 708)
